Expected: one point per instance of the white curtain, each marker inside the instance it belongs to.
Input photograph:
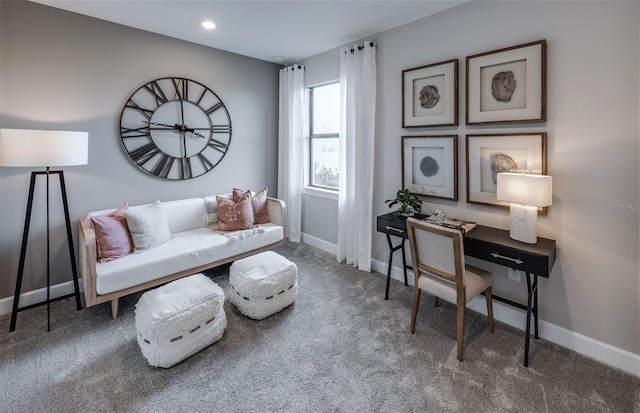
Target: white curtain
(357, 134)
(290, 139)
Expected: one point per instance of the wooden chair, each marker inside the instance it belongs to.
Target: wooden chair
(438, 265)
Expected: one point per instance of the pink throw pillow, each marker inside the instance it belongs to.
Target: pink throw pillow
(112, 235)
(259, 204)
(235, 215)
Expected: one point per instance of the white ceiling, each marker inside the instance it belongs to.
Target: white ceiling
(263, 29)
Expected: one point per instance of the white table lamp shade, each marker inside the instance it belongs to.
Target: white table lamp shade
(29, 148)
(525, 192)
(527, 189)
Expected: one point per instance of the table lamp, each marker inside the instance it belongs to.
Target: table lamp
(525, 192)
(43, 148)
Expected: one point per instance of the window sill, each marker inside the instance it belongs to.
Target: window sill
(320, 192)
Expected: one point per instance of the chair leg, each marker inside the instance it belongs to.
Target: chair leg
(414, 310)
(460, 332)
(436, 302)
(489, 298)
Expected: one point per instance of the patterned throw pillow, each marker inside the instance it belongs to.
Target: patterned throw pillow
(148, 226)
(112, 235)
(235, 215)
(259, 204)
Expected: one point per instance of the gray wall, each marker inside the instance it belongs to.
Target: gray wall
(61, 70)
(592, 146)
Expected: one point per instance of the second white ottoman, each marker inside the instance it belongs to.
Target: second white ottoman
(179, 319)
(263, 284)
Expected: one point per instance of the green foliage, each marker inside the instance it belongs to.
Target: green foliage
(326, 176)
(405, 199)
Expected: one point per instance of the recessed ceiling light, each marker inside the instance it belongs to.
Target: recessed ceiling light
(278, 58)
(208, 24)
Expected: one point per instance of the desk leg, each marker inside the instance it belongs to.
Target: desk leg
(391, 250)
(404, 264)
(532, 307)
(535, 305)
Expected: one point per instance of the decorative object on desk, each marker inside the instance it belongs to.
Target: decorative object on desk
(488, 155)
(438, 215)
(430, 165)
(441, 219)
(525, 192)
(408, 204)
(43, 148)
(507, 85)
(430, 95)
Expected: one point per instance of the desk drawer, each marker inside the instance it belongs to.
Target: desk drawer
(393, 227)
(509, 257)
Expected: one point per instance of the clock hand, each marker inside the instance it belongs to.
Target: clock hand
(198, 134)
(182, 128)
(163, 124)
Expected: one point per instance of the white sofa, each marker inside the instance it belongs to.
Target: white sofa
(193, 248)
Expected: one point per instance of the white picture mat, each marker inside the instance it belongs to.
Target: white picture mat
(443, 77)
(442, 150)
(532, 55)
(523, 148)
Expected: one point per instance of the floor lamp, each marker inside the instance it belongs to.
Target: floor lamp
(43, 148)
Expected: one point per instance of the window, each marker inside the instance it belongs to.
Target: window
(324, 125)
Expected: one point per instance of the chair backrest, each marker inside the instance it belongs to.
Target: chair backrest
(437, 251)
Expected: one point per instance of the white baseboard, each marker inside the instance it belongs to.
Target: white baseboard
(319, 243)
(579, 343)
(603, 352)
(38, 296)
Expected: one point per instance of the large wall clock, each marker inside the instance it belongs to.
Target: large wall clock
(175, 128)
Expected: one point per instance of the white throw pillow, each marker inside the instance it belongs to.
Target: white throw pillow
(148, 226)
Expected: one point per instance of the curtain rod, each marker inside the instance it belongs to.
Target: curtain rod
(371, 44)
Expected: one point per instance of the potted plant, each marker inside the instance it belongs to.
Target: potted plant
(408, 204)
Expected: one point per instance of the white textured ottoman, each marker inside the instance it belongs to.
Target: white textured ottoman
(179, 319)
(263, 284)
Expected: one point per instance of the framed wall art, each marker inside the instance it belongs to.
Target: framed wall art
(507, 85)
(430, 95)
(487, 155)
(430, 165)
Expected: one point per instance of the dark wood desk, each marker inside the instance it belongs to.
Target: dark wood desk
(493, 245)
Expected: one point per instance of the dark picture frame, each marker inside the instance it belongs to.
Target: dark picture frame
(507, 85)
(430, 95)
(430, 165)
(488, 154)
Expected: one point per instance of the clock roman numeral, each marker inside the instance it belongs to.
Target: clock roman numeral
(213, 108)
(144, 153)
(185, 168)
(145, 112)
(142, 132)
(221, 128)
(155, 89)
(206, 164)
(218, 145)
(182, 89)
(163, 167)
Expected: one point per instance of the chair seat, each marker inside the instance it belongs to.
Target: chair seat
(476, 280)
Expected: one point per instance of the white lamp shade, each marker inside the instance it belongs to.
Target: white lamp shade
(527, 189)
(28, 148)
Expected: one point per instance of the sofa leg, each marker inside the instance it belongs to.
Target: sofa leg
(114, 308)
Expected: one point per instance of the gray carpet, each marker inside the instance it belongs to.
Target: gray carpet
(339, 348)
